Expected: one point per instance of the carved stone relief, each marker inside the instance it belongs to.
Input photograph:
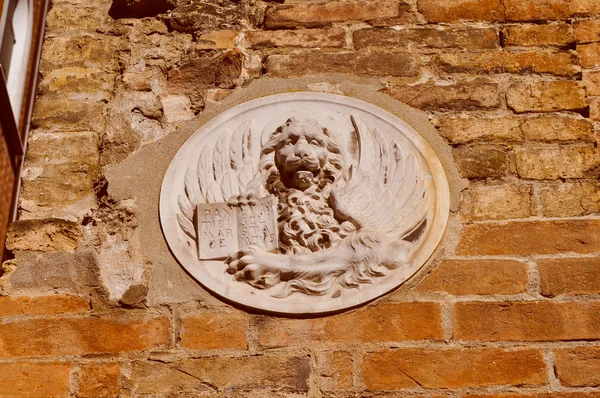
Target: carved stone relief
(304, 203)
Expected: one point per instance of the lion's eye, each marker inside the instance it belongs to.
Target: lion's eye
(314, 142)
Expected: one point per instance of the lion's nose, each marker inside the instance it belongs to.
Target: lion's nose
(301, 150)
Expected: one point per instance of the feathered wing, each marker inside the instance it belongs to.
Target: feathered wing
(223, 170)
(387, 192)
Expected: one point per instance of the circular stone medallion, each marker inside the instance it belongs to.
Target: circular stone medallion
(304, 203)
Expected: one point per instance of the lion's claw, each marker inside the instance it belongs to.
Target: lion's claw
(244, 268)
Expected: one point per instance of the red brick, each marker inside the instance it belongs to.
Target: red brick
(452, 368)
(68, 336)
(552, 62)
(99, 380)
(20, 379)
(311, 38)
(538, 35)
(323, 14)
(578, 366)
(335, 369)
(569, 276)
(530, 237)
(462, 277)
(457, 10)
(426, 37)
(589, 55)
(380, 323)
(481, 161)
(527, 321)
(241, 373)
(546, 96)
(537, 10)
(362, 63)
(23, 305)
(587, 31)
(454, 97)
(214, 330)
(551, 163)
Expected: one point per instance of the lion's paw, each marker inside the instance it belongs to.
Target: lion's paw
(246, 269)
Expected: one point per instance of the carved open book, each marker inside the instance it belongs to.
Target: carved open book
(224, 229)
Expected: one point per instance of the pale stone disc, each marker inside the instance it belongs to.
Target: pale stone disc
(263, 116)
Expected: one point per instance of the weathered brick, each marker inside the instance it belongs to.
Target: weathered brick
(589, 55)
(99, 380)
(578, 366)
(426, 37)
(139, 81)
(546, 96)
(461, 130)
(457, 10)
(530, 237)
(79, 83)
(585, 6)
(241, 373)
(44, 235)
(89, 51)
(594, 108)
(335, 37)
(21, 379)
(587, 30)
(537, 35)
(570, 199)
(481, 161)
(496, 202)
(58, 304)
(60, 186)
(214, 330)
(64, 18)
(463, 277)
(591, 80)
(537, 10)
(569, 276)
(561, 394)
(557, 128)
(57, 113)
(454, 97)
(323, 14)
(69, 272)
(526, 321)
(452, 368)
(363, 63)
(68, 336)
(384, 322)
(335, 368)
(551, 163)
(217, 40)
(552, 62)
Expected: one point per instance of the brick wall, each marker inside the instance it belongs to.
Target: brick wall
(512, 87)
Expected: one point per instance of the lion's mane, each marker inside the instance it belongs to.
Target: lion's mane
(306, 222)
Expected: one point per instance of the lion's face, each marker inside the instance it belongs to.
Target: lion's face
(301, 153)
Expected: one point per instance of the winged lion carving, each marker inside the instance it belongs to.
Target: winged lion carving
(341, 222)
